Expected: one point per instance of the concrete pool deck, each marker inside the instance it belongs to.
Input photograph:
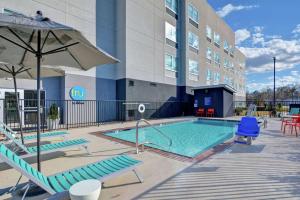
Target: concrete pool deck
(269, 169)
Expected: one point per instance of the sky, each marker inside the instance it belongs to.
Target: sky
(264, 29)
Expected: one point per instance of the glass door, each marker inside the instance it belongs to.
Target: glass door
(10, 108)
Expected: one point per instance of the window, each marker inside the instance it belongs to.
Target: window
(32, 94)
(217, 38)
(131, 83)
(170, 62)
(230, 82)
(170, 32)
(209, 54)
(231, 50)
(193, 40)
(216, 78)
(208, 75)
(193, 67)
(208, 32)
(172, 5)
(193, 13)
(226, 63)
(217, 58)
(226, 80)
(226, 46)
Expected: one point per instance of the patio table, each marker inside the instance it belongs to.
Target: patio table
(85, 190)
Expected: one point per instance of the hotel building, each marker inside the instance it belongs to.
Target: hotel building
(165, 48)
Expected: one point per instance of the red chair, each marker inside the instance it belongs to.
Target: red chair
(284, 121)
(295, 122)
(295, 126)
(200, 112)
(210, 112)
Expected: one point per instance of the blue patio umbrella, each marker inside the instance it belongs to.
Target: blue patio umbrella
(39, 42)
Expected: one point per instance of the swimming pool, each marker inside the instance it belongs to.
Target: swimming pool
(189, 138)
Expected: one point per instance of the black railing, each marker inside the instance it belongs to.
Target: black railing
(74, 114)
(265, 108)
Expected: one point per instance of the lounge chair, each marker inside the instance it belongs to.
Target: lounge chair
(248, 128)
(61, 182)
(4, 129)
(16, 145)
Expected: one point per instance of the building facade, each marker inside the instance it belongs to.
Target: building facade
(165, 48)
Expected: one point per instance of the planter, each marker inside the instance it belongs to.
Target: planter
(53, 124)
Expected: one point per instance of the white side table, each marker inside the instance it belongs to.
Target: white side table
(85, 190)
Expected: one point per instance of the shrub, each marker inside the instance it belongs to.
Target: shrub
(238, 111)
(53, 112)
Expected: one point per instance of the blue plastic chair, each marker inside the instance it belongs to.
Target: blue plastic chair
(248, 127)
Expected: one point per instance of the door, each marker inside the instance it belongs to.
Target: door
(10, 109)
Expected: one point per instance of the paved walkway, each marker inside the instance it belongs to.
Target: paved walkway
(269, 169)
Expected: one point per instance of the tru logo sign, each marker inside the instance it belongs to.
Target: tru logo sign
(78, 93)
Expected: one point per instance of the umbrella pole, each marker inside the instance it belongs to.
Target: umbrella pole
(18, 110)
(38, 88)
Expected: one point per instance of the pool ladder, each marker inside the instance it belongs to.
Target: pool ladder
(156, 129)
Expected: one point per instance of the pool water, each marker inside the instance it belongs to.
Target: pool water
(189, 138)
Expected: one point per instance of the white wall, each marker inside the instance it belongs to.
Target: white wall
(79, 14)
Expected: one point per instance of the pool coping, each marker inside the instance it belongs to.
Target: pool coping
(200, 157)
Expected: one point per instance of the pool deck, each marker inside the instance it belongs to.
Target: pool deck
(269, 169)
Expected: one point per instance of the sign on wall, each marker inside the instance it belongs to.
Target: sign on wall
(207, 101)
(78, 93)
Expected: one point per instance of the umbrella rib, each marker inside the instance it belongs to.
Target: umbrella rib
(24, 70)
(27, 71)
(9, 40)
(15, 34)
(18, 69)
(9, 72)
(45, 40)
(24, 54)
(64, 48)
(67, 50)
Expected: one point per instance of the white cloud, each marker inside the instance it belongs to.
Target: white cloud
(259, 55)
(241, 35)
(296, 31)
(286, 80)
(229, 8)
(273, 36)
(258, 36)
(295, 73)
(259, 58)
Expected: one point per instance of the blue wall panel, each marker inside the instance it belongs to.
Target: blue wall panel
(52, 86)
(106, 96)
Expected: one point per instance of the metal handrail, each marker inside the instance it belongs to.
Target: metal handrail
(151, 125)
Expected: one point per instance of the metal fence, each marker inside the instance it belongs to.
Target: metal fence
(265, 107)
(73, 114)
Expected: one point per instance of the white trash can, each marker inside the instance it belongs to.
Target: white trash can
(85, 190)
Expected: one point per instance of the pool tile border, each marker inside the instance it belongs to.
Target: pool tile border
(202, 156)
